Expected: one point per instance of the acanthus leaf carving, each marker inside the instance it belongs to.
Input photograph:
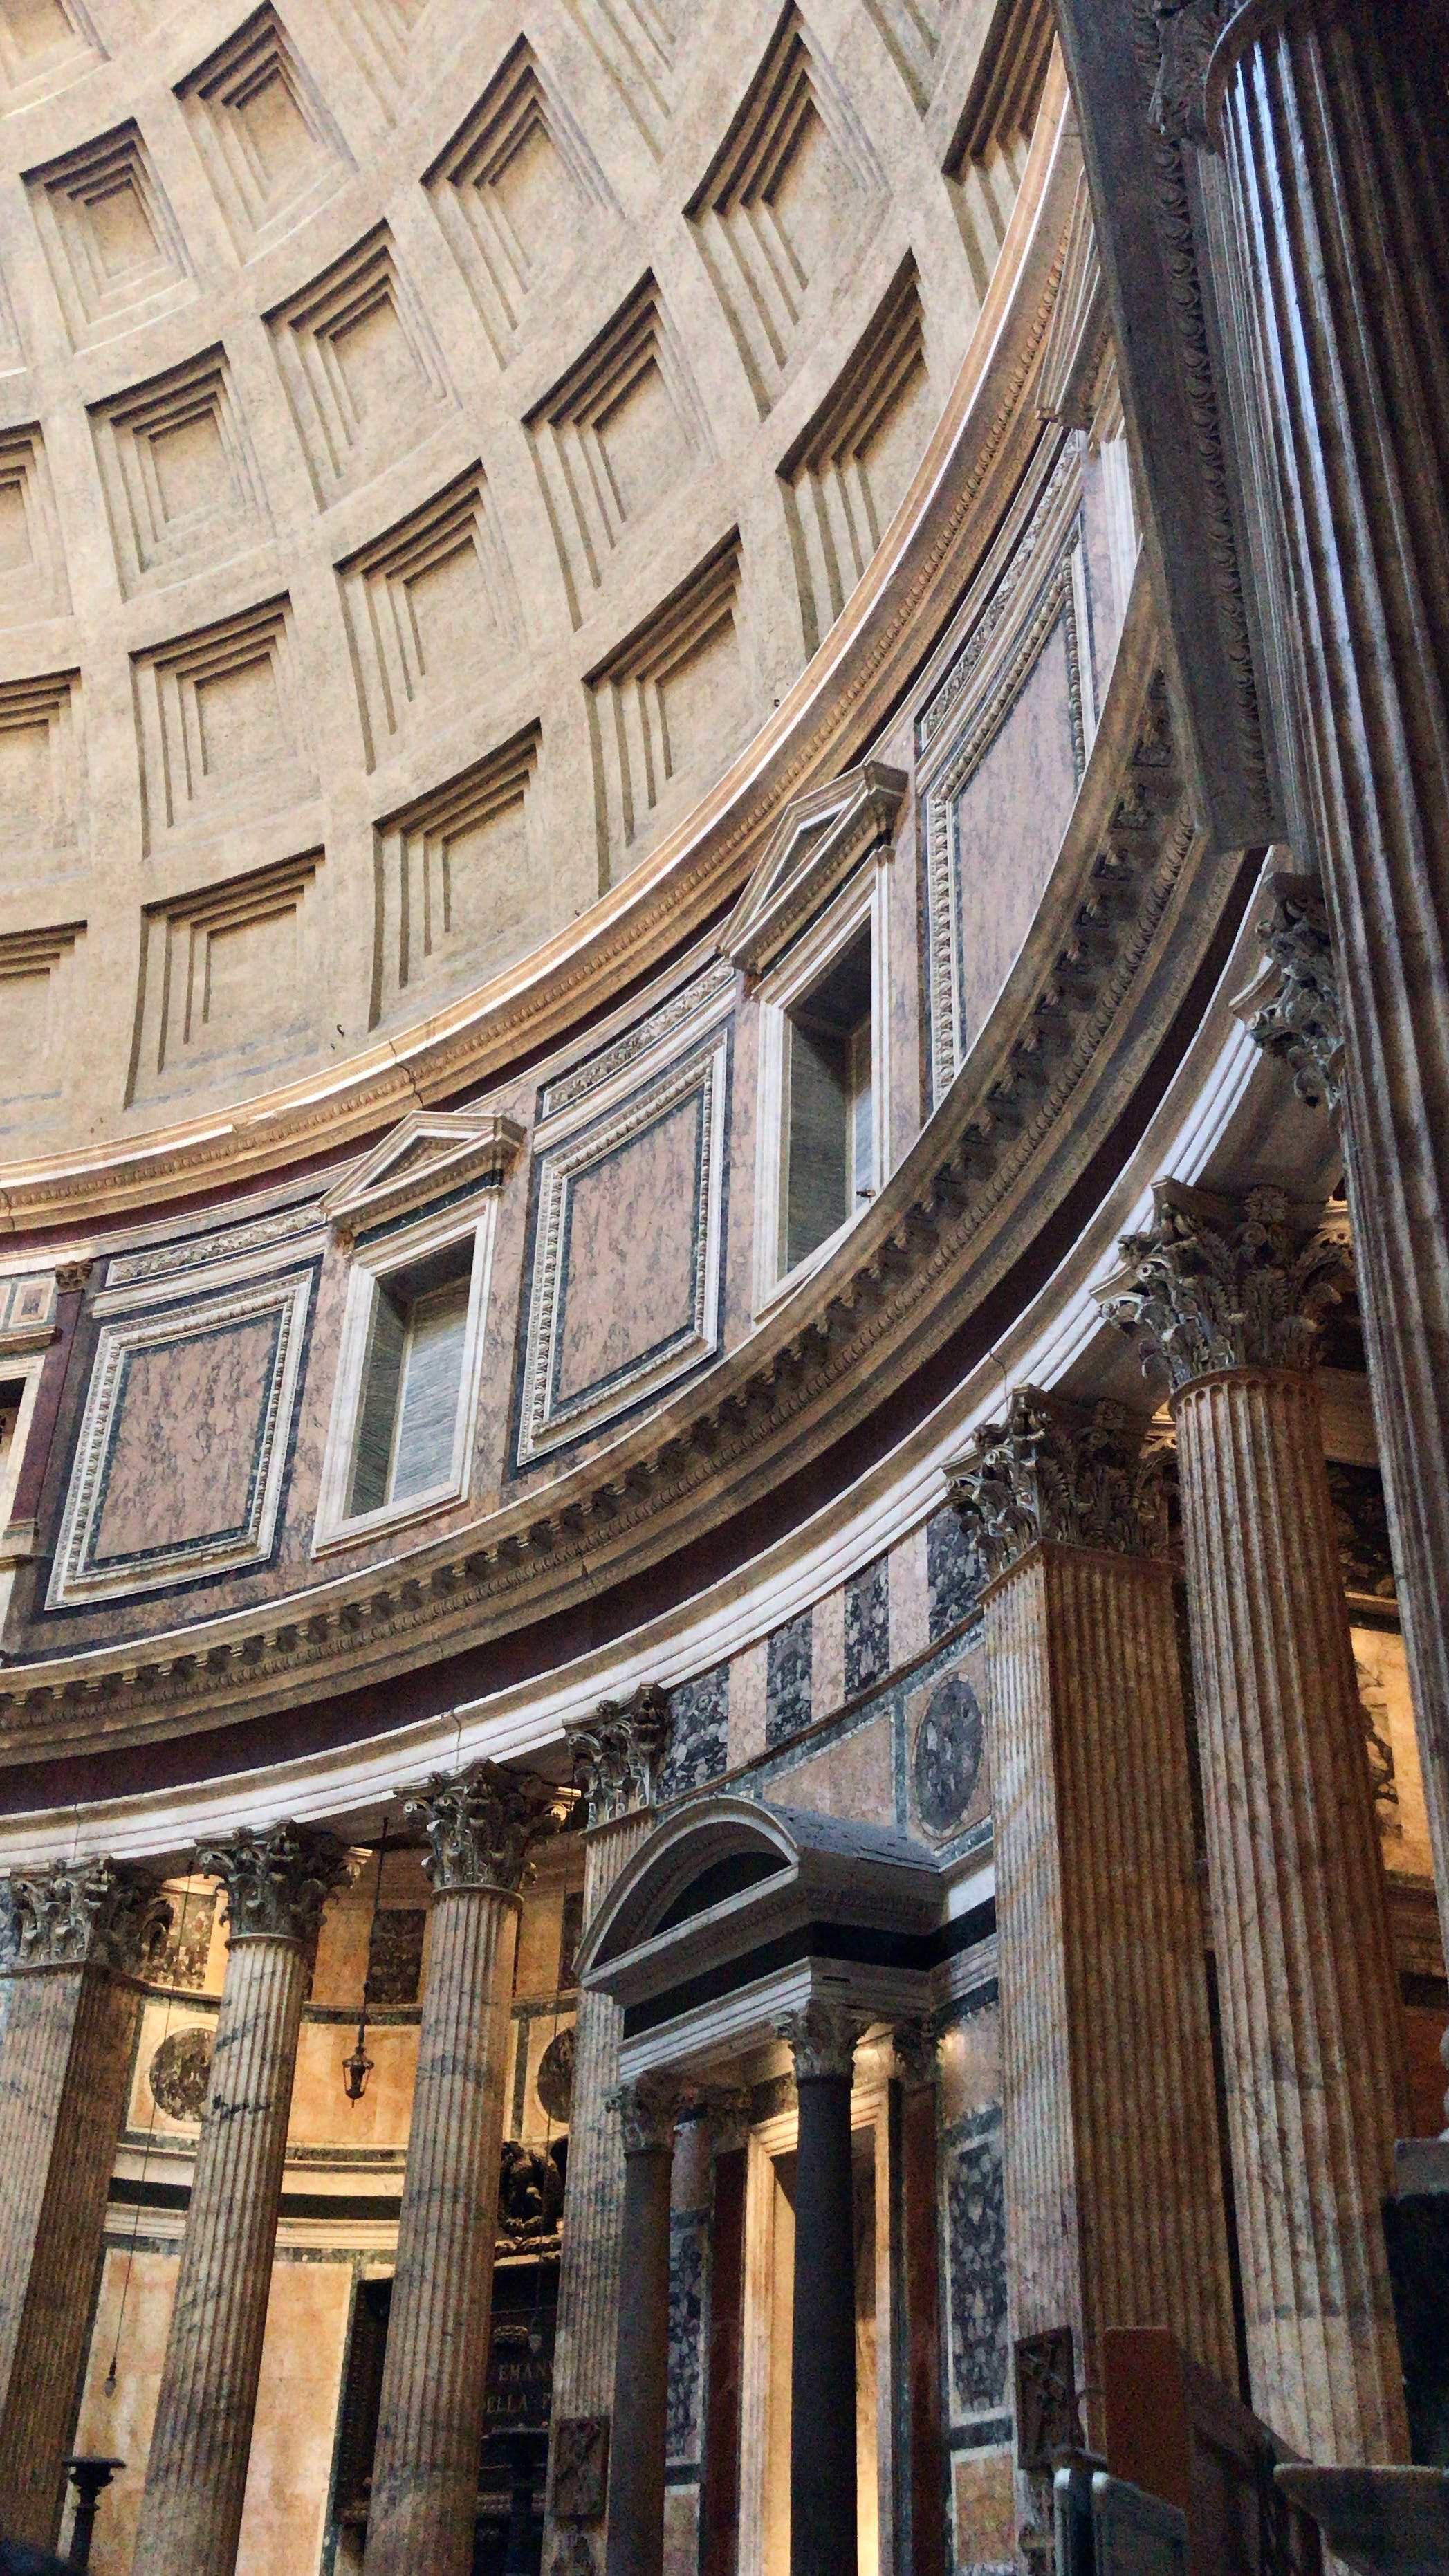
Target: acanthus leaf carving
(85, 1913)
(482, 1825)
(619, 1753)
(278, 1880)
(1227, 1283)
(1063, 1475)
(1291, 1008)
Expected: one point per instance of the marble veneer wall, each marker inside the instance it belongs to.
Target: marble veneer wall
(187, 1457)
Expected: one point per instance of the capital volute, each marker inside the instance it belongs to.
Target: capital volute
(1291, 1008)
(482, 1824)
(1059, 1474)
(1227, 1283)
(85, 1913)
(648, 2110)
(278, 1880)
(822, 2038)
(619, 1752)
(916, 2048)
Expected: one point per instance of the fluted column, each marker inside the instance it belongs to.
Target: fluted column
(1224, 1298)
(277, 1883)
(1109, 2116)
(824, 2532)
(79, 1934)
(480, 1829)
(617, 1755)
(647, 2112)
(1325, 173)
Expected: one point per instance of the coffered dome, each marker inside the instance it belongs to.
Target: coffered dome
(431, 453)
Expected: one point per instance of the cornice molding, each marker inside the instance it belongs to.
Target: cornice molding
(1133, 906)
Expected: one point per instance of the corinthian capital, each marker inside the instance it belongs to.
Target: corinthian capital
(1057, 1474)
(822, 2038)
(1291, 1008)
(276, 1881)
(618, 1753)
(482, 1825)
(1223, 1283)
(649, 2110)
(84, 1913)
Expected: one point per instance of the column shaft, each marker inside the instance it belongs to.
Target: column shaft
(641, 2382)
(1329, 226)
(1311, 2017)
(430, 2426)
(65, 2065)
(1113, 2186)
(588, 2291)
(197, 2471)
(823, 2502)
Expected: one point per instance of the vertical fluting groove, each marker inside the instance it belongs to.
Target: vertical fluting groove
(430, 2424)
(1335, 216)
(589, 2270)
(1310, 2006)
(197, 2470)
(63, 2070)
(1114, 2197)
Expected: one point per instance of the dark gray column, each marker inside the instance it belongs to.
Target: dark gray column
(823, 2503)
(648, 2109)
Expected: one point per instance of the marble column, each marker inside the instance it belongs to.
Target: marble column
(480, 1829)
(1114, 2191)
(823, 2500)
(618, 1755)
(918, 2068)
(1224, 1298)
(1324, 171)
(79, 1934)
(648, 2110)
(277, 1882)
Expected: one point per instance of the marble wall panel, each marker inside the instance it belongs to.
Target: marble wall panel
(947, 1767)
(749, 1699)
(788, 1677)
(867, 1628)
(624, 1296)
(975, 2213)
(983, 2500)
(184, 1446)
(699, 1745)
(827, 1654)
(852, 1776)
(687, 2243)
(952, 1576)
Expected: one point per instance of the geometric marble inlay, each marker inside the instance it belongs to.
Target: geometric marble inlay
(626, 1263)
(183, 1447)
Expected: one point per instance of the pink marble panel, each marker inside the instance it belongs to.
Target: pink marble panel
(633, 1225)
(1010, 820)
(184, 1443)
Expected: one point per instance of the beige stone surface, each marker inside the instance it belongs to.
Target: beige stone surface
(318, 399)
(291, 2451)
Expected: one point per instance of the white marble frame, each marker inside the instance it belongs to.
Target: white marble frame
(369, 1265)
(1043, 586)
(864, 898)
(541, 1427)
(769, 2140)
(290, 1299)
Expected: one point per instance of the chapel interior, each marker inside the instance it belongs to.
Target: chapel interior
(724, 1287)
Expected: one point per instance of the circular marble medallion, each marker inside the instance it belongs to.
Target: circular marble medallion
(180, 2072)
(556, 2075)
(948, 1754)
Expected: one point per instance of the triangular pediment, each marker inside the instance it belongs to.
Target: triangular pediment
(819, 841)
(429, 1155)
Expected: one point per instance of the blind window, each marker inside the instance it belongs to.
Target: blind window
(830, 1115)
(413, 1381)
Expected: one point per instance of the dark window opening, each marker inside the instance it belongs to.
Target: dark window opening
(830, 1103)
